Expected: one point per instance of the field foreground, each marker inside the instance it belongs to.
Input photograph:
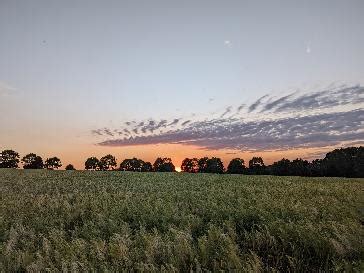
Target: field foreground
(82, 221)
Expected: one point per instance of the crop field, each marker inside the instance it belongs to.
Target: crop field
(175, 222)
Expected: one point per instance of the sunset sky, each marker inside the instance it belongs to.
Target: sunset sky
(181, 78)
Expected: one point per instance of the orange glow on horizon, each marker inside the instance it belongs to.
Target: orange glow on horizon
(177, 153)
(77, 151)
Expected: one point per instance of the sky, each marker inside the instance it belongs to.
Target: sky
(181, 78)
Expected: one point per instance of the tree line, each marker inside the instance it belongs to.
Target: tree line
(344, 162)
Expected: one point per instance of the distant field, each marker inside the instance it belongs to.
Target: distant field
(81, 220)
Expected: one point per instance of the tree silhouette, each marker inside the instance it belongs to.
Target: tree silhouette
(299, 167)
(107, 162)
(202, 164)
(163, 165)
(147, 167)
(214, 165)
(52, 163)
(32, 161)
(190, 165)
(256, 165)
(92, 163)
(236, 166)
(9, 159)
(135, 165)
(281, 167)
(130, 165)
(70, 167)
(317, 167)
(345, 162)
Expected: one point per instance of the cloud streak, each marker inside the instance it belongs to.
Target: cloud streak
(317, 100)
(296, 132)
(292, 128)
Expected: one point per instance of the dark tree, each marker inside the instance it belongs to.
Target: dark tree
(214, 165)
(299, 167)
(281, 167)
(190, 165)
(92, 163)
(256, 166)
(9, 159)
(147, 167)
(202, 165)
(70, 167)
(32, 161)
(163, 165)
(107, 162)
(134, 165)
(52, 163)
(129, 165)
(345, 162)
(317, 167)
(236, 166)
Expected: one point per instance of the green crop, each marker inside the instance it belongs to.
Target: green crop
(114, 221)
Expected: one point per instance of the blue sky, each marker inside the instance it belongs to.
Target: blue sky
(72, 67)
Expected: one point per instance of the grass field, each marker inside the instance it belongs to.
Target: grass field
(78, 220)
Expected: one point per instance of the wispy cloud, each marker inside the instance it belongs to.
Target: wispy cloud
(241, 106)
(174, 122)
(254, 106)
(185, 122)
(323, 99)
(97, 132)
(289, 124)
(108, 132)
(310, 131)
(227, 111)
(274, 103)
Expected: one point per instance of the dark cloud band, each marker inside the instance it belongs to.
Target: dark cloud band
(294, 131)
